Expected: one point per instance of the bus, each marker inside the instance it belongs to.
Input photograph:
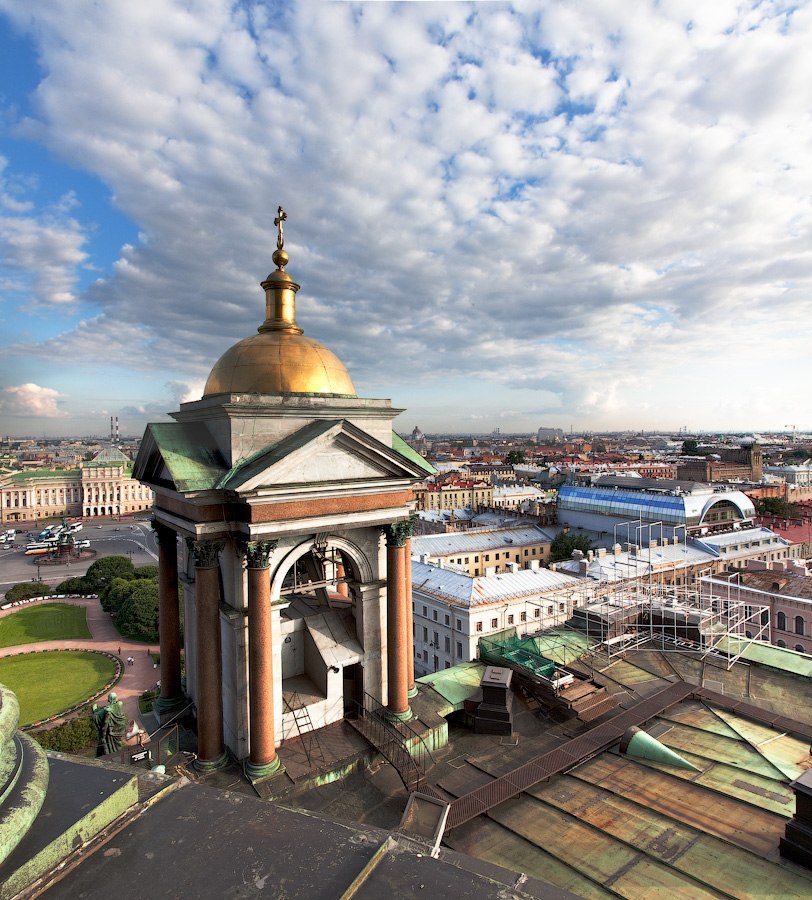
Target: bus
(40, 547)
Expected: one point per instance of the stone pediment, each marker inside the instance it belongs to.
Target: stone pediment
(331, 451)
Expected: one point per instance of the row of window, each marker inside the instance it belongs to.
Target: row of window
(799, 647)
(781, 623)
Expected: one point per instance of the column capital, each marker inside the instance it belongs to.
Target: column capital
(399, 532)
(206, 553)
(257, 553)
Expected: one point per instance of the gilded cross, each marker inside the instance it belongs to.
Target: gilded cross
(281, 215)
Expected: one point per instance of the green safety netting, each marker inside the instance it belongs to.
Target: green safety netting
(521, 651)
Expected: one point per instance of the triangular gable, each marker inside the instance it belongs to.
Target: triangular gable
(180, 456)
(326, 451)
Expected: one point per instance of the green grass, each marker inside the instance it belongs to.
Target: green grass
(46, 683)
(48, 622)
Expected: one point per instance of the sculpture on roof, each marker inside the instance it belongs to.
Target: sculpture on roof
(111, 724)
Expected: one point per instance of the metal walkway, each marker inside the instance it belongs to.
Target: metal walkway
(469, 806)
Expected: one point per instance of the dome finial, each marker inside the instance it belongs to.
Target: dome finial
(279, 256)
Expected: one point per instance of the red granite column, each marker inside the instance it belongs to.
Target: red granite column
(398, 620)
(412, 690)
(262, 760)
(210, 744)
(171, 698)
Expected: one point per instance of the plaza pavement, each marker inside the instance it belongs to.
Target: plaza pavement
(137, 678)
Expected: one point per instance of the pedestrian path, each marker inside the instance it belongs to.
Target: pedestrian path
(137, 678)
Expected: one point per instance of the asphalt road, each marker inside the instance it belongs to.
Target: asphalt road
(126, 537)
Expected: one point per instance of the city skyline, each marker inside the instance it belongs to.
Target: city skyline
(501, 215)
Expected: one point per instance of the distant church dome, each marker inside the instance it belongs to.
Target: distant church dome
(279, 359)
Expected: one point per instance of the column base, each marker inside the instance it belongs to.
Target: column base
(164, 708)
(412, 692)
(255, 773)
(393, 716)
(204, 766)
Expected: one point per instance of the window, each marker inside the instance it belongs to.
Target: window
(476, 571)
(436, 639)
(781, 622)
(434, 614)
(549, 610)
(536, 613)
(799, 624)
(447, 664)
(436, 662)
(497, 556)
(425, 656)
(800, 648)
(425, 634)
(447, 620)
(425, 611)
(526, 552)
(459, 650)
(510, 620)
(476, 559)
(523, 617)
(487, 557)
(459, 624)
(494, 623)
(479, 626)
(561, 607)
(447, 644)
(466, 560)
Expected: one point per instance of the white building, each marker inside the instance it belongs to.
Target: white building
(516, 496)
(453, 610)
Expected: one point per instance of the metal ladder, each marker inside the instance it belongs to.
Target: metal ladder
(304, 727)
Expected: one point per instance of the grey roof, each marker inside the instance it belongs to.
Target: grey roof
(481, 590)
(477, 541)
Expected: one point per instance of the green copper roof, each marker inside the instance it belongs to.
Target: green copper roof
(455, 685)
(769, 655)
(644, 746)
(193, 464)
(404, 449)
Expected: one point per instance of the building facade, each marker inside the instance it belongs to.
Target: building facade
(452, 611)
(103, 487)
(454, 495)
(484, 551)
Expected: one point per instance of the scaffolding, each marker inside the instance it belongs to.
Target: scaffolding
(672, 618)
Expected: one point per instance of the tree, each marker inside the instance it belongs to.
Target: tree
(514, 457)
(113, 596)
(138, 615)
(690, 447)
(775, 506)
(26, 590)
(74, 586)
(146, 572)
(103, 571)
(565, 542)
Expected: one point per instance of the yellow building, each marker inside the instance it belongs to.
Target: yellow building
(102, 487)
(454, 495)
(486, 551)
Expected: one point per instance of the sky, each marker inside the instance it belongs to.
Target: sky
(502, 215)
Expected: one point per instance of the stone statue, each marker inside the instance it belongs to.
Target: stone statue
(111, 723)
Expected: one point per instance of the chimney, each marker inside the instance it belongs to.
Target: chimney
(796, 844)
(583, 567)
(589, 556)
(601, 552)
(118, 433)
(112, 433)
(577, 554)
(617, 549)
(653, 544)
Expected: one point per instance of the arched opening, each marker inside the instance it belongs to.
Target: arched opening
(781, 644)
(799, 625)
(781, 621)
(318, 585)
(800, 648)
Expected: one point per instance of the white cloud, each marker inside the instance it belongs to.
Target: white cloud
(563, 197)
(30, 401)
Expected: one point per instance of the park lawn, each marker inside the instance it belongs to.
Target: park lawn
(46, 683)
(47, 622)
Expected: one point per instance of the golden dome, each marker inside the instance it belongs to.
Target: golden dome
(274, 362)
(279, 359)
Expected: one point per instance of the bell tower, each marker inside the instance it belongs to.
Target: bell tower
(283, 505)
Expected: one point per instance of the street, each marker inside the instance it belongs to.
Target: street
(131, 537)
